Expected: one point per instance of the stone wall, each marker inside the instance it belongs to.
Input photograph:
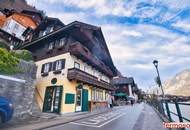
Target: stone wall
(20, 88)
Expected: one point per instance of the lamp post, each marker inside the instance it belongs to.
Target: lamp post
(155, 62)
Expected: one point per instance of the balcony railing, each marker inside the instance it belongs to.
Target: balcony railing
(81, 76)
(84, 54)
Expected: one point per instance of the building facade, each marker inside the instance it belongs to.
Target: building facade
(125, 86)
(74, 69)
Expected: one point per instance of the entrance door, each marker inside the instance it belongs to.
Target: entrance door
(85, 100)
(79, 100)
(52, 100)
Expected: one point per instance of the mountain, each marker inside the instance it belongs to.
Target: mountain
(18, 5)
(179, 84)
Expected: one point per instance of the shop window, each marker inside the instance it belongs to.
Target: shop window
(94, 94)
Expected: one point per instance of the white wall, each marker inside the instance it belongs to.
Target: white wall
(9, 27)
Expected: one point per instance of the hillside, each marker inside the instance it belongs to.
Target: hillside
(179, 84)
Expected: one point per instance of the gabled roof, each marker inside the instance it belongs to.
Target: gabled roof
(29, 11)
(123, 81)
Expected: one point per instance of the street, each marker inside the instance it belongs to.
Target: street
(121, 118)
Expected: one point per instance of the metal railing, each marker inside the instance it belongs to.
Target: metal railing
(171, 109)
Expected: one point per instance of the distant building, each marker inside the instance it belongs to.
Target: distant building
(16, 27)
(125, 85)
(74, 66)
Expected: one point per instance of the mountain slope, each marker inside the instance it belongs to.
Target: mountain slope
(179, 84)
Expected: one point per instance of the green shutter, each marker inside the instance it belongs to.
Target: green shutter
(69, 98)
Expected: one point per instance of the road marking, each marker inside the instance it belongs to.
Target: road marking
(111, 120)
(82, 124)
(91, 124)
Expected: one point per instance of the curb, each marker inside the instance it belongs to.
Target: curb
(45, 126)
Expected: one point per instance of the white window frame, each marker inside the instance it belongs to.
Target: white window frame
(50, 47)
(62, 42)
(75, 65)
(46, 68)
(58, 65)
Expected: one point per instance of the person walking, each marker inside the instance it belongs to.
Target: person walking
(132, 102)
(110, 102)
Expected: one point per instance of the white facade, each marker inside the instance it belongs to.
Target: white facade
(14, 28)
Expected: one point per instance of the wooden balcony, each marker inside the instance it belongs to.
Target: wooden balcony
(81, 52)
(81, 76)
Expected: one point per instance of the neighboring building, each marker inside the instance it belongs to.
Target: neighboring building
(74, 68)
(47, 26)
(16, 27)
(17, 24)
(125, 85)
(2, 18)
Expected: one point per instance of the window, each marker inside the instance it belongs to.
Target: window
(77, 65)
(51, 29)
(97, 94)
(93, 94)
(46, 68)
(94, 72)
(100, 76)
(51, 44)
(16, 27)
(85, 69)
(59, 64)
(62, 42)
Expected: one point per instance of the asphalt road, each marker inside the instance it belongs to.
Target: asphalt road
(122, 118)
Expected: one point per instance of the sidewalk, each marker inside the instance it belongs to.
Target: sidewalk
(149, 120)
(62, 119)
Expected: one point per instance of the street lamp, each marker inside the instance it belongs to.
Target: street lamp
(155, 62)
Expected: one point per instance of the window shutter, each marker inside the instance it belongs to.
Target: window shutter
(54, 65)
(50, 66)
(42, 70)
(62, 63)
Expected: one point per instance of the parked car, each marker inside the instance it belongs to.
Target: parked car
(6, 110)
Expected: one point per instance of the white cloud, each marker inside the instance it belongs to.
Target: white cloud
(134, 47)
(183, 24)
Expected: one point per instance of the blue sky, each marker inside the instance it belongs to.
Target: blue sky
(136, 32)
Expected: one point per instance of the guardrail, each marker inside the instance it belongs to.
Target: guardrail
(172, 109)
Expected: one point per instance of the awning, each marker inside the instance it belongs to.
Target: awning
(121, 95)
(131, 98)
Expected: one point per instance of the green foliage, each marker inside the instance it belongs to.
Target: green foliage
(8, 63)
(2, 45)
(22, 54)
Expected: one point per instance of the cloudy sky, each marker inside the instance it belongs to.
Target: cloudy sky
(136, 32)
